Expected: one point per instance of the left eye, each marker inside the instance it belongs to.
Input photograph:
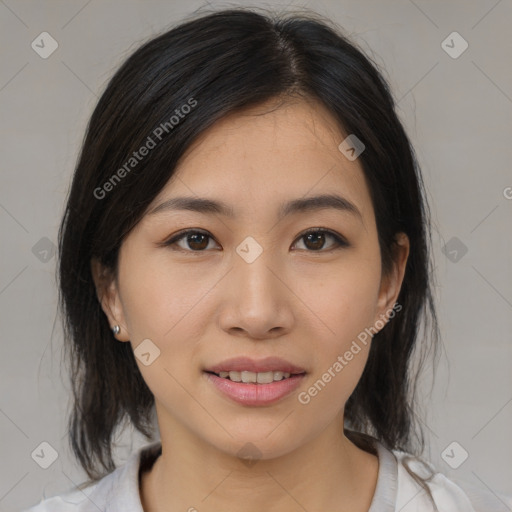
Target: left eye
(316, 237)
(198, 241)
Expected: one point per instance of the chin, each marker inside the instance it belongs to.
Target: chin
(257, 444)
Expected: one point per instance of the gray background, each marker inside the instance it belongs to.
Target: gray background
(457, 112)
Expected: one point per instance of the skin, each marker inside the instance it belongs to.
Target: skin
(301, 301)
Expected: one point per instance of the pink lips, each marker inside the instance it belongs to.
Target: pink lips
(251, 394)
(269, 364)
(256, 394)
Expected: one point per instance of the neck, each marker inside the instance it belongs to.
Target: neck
(326, 473)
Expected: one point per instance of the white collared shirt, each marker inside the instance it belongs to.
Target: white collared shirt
(396, 489)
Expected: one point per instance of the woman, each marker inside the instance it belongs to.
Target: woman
(245, 253)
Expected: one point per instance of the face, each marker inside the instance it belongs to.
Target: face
(251, 282)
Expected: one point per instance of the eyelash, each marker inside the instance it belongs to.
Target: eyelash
(340, 241)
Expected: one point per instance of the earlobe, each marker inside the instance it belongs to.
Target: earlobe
(108, 296)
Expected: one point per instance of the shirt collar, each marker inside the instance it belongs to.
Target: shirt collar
(122, 489)
(384, 498)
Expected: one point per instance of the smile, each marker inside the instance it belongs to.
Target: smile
(253, 377)
(255, 389)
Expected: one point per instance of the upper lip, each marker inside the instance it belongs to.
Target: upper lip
(269, 364)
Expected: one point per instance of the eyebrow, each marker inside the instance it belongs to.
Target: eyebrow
(305, 204)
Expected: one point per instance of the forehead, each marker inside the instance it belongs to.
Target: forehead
(269, 154)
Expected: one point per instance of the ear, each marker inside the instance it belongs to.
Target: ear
(391, 283)
(108, 296)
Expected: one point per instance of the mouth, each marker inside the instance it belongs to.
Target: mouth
(252, 382)
(248, 377)
(259, 393)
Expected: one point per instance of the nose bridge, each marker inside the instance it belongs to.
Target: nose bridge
(252, 267)
(257, 303)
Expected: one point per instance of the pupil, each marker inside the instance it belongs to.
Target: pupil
(192, 240)
(318, 237)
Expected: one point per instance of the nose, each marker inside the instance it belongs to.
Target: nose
(257, 300)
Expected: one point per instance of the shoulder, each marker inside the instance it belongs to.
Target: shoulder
(449, 494)
(70, 501)
(118, 490)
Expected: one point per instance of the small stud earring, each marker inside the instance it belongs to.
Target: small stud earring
(116, 329)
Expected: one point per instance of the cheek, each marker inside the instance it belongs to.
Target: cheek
(158, 297)
(344, 300)
(169, 307)
(165, 308)
(346, 305)
(340, 355)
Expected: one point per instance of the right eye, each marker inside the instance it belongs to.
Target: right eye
(196, 240)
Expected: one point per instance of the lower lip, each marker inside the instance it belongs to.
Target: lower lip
(256, 394)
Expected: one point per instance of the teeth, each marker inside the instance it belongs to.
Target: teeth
(235, 376)
(264, 377)
(249, 376)
(252, 377)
